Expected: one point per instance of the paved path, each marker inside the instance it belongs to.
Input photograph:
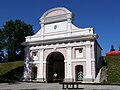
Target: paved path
(52, 86)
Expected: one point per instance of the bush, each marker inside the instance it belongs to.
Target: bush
(113, 69)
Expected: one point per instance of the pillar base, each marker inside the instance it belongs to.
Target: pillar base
(40, 79)
(26, 79)
(68, 80)
(88, 80)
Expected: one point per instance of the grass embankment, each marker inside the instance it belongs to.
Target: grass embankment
(11, 70)
(14, 70)
(113, 69)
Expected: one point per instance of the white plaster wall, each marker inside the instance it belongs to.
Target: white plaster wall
(73, 50)
(33, 38)
(82, 31)
(44, 72)
(63, 51)
(60, 26)
(39, 32)
(93, 60)
(74, 27)
(93, 69)
(55, 35)
(47, 52)
(92, 50)
(59, 32)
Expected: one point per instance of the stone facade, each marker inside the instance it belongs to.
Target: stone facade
(59, 46)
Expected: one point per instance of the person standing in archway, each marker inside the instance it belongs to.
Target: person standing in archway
(55, 77)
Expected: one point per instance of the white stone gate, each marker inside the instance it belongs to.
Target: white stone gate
(78, 46)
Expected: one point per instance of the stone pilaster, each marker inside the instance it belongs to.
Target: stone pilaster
(68, 70)
(88, 77)
(69, 24)
(42, 31)
(40, 67)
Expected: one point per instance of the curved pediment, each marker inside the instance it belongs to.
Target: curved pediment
(55, 15)
(55, 12)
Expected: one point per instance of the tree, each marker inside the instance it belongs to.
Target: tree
(1, 46)
(119, 48)
(112, 48)
(14, 33)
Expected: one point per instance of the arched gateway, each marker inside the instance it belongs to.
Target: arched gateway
(60, 51)
(55, 64)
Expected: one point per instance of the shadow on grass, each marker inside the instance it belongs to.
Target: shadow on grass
(12, 76)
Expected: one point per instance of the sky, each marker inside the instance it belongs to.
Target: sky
(102, 15)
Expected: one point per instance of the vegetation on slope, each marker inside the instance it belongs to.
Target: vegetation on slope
(11, 70)
(113, 69)
(14, 70)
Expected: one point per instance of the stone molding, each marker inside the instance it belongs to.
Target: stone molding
(60, 40)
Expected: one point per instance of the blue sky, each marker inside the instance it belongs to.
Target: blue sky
(102, 15)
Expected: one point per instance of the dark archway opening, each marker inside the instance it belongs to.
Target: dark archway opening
(79, 72)
(34, 73)
(55, 65)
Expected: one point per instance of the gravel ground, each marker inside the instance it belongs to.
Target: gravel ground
(52, 86)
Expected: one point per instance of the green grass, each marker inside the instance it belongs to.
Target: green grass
(14, 70)
(11, 70)
(113, 69)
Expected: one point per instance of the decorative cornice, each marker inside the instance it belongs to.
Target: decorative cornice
(61, 40)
